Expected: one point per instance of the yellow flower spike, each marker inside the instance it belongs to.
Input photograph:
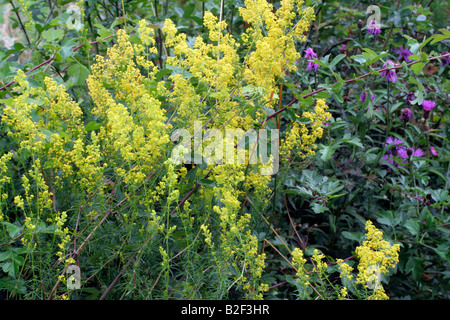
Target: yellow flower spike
(376, 256)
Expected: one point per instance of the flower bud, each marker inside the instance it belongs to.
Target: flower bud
(409, 152)
(360, 24)
(406, 115)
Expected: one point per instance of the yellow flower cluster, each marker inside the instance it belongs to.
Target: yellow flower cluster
(134, 121)
(4, 179)
(319, 265)
(302, 136)
(376, 257)
(375, 254)
(272, 34)
(64, 235)
(238, 247)
(302, 277)
(131, 137)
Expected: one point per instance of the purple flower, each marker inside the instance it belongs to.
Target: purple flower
(406, 115)
(403, 153)
(428, 105)
(342, 48)
(446, 59)
(397, 143)
(416, 152)
(389, 74)
(397, 151)
(310, 54)
(411, 96)
(400, 151)
(363, 96)
(433, 151)
(374, 28)
(403, 54)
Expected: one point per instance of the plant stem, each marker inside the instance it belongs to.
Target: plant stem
(388, 108)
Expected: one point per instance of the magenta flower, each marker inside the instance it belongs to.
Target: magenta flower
(374, 28)
(403, 54)
(398, 151)
(342, 48)
(433, 151)
(310, 54)
(428, 105)
(393, 141)
(406, 115)
(416, 152)
(389, 74)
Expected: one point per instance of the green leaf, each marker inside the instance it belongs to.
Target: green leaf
(336, 60)
(412, 226)
(320, 63)
(207, 183)
(66, 50)
(318, 207)
(161, 73)
(177, 70)
(359, 58)
(14, 261)
(93, 126)
(417, 67)
(12, 229)
(443, 250)
(79, 73)
(355, 236)
(53, 34)
(327, 151)
(389, 218)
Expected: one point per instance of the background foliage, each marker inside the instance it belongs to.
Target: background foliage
(320, 202)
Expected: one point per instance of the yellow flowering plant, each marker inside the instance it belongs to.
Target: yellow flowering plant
(97, 184)
(377, 258)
